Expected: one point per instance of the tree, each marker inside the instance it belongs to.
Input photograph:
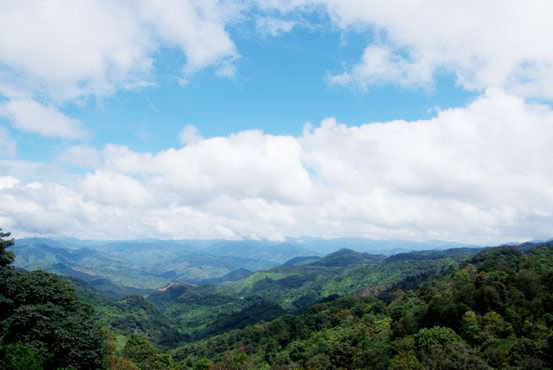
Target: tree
(22, 356)
(42, 322)
(442, 348)
(470, 328)
(6, 257)
(405, 361)
(139, 350)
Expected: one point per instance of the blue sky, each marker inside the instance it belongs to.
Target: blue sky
(281, 83)
(421, 118)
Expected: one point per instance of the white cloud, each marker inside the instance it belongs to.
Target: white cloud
(115, 189)
(485, 44)
(189, 135)
(197, 27)
(379, 65)
(30, 116)
(273, 26)
(81, 155)
(73, 50)
(8, 146)
(23, 170)
(8, 182)
(69, 50)
(242, 166)
(476, 174)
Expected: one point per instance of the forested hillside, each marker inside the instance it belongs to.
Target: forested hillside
(190, 312)
(494, 312)
(42, 322)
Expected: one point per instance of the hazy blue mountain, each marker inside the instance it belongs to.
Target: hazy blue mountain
(44, 253)
(50, 255)
(346, 257)
(297, 261)
(278, 252)
(152, 263)
(387, 247)
(235, 275)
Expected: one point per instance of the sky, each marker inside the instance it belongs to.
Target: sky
(276, 119)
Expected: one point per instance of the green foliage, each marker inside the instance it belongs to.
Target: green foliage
(139, 349)
(426, 310)
(6, 256)
(22, 356)
(145, 355)
(44, 325)
(182, 312)
(330, 335)
(493, 312)
(405, 361)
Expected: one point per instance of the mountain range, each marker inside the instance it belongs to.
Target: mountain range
(152, 264)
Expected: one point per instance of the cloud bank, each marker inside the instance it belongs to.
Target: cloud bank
(476, 174)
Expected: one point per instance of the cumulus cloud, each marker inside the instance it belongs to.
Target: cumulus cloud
(7, 182)
(115, 189)
(46, 120)
(196, 27)
(72, 49)
(492, 44)
(476, 174)
(68, 51)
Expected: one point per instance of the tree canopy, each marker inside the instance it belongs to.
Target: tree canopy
(43, 325)
(6, 256)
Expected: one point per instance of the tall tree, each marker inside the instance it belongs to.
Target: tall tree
(6, 257)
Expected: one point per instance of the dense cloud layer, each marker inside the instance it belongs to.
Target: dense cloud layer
(475, 174)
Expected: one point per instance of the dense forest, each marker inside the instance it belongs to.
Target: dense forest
(462, 308)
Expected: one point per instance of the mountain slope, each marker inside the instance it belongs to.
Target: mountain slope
(291, 288)
(494, 311)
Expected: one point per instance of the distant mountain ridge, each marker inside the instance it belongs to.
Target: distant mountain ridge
(150, 264)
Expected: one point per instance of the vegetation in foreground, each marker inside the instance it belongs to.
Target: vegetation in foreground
(42, 322)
